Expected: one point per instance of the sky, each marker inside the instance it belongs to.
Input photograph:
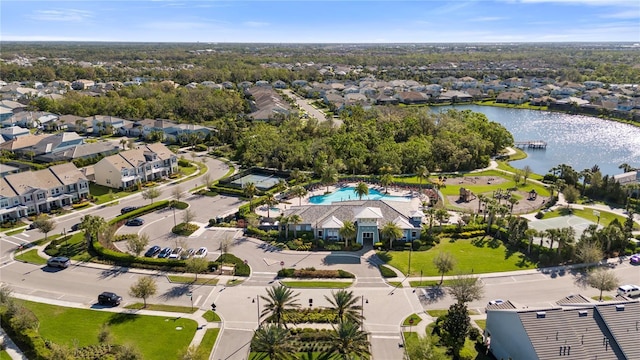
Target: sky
(329, 21)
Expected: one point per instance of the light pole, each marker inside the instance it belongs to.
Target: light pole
(174, 215)
(363, 301)
(257, 299)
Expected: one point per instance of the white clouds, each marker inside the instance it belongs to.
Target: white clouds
(487, 19)
(629, 14)
(62, 15)
(175, 25)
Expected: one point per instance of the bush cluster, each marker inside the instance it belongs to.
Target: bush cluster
(470, 234)
(242, 269)
(80, 205)
(185, 229)
(312, 273)
(310, 315)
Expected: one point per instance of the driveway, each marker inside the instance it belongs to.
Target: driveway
(305, 105)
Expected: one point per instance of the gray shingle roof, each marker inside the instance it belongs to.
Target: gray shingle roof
(344, 210)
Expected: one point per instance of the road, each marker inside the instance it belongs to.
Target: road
(313, 112)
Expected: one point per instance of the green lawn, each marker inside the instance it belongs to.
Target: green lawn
(306, 356)
(31, 256)
(317, 284)
(191, 280)
(416, 320)
(605, 217)
(4, 355)
(14, 232)
(451, 190)
(425, 283)
(437, 313)
(162, 307)
(211, 316)
(481, 323)
(207, 343)
(473, 256)
(187, 170)
(104, 194)
(396, 284)
(156, 337)
(17, 224)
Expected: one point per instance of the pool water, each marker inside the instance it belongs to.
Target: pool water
(348, 193)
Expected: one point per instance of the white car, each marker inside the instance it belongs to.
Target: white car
(201, 252)
(175, 254)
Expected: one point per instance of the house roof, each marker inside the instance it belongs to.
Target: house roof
(28, 180)
(367, 213)
(403, 223)
(332, 223)
(67, 173)
(604, 331)
(347, 210)
(6, 190)
(22, 142)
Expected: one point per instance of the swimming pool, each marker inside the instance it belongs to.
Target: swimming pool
(348, 193)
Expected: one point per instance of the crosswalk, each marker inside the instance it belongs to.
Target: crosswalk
(261, 279)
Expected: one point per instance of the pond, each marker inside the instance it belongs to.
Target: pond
(577, 140)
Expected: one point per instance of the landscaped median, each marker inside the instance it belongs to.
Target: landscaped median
(315, 279)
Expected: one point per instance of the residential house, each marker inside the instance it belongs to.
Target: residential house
(578, 329)
(369, 217)
(72, 123)
(22, 142)
(82, 151)
(266, 103)
(12, 132)
(632, 177)
(511, 97)
(412, 97)
(54, 143)
(105, 124)
(454, 96)
(127, 168)
(82, 84)
(34, 192)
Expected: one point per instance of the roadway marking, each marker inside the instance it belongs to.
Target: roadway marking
(385, 337)
(198, 299)
(7, 264)
(11, 242)
(264, 273)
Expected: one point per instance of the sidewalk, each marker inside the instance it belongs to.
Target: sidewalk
(10, 347)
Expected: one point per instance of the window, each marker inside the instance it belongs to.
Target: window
(319, 233)
(414, 234)
(40, 196)
(108, 181)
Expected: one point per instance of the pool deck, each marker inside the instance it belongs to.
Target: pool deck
(416, 199)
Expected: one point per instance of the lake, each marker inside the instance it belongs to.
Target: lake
(576, 140)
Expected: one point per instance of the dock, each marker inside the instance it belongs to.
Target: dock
(531, 144)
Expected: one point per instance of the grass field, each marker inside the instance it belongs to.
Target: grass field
(207, 343)
(473, 256)
(14, 232)
(481, 323)
(211, 316)
(451, 190)
(31, 256)
(425, 283)
(156, 337)
(317, 284)
(416, 320)
(396, 284)
(4, 355)
(179, 279)
(104, 194)
(162, 307)
(605, 217)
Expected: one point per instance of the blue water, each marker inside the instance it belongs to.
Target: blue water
(576, 140)
(348, 193)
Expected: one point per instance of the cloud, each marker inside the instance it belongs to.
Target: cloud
(629, 14)
(255, 24)
(174, 25)
(63, 15)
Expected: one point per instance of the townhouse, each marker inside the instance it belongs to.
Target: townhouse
(35, 192)
(128, 168)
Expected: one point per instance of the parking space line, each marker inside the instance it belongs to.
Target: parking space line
(197, 300)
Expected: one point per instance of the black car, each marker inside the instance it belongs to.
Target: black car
(75, 227)
(135, 222)
(109, 298)
(165, 252)
(153, 251)
(127, 209)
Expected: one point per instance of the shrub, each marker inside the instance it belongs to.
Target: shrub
(345, 274)
(185, 229)
(416, 244)
(356, 247)
(466, 354)
(80, 205)
(474, 334)
(180, 205)
(539, 215)
(386, 271)
(378, 245)
(184, 163)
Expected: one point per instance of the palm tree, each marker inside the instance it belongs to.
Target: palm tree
(530, 234)
(392, 232)
(553, 236)
(386, 180)
(348, 342)
(422, 174)
(272, 342)
(270, 201)
(431, 214)
(329, 176)
(347, 231)
(295, 219)
(626, 167)
(361, 190)
(566, 236)
(279, 299)
(249, 191)
(123, 142)
(299, 192)
(284, 221)
(346, 306)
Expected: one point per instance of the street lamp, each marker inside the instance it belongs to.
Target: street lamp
(257, 299)
(173, 206)
(363, 300)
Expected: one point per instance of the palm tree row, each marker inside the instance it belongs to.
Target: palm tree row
(272, 340)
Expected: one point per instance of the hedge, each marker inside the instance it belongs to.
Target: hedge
(140, 211)
(307, 315)
(242, 269)
(312, 273)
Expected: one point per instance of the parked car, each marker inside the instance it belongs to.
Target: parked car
(75, 227)
(59, 262)
(127, 209)
(202, 252)
(629, 290)
(165, 252)
(109, 298)
(187, 253)
(135, 222)
(175, 254)
(31, 226)
(635, 259)
(153, 251)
